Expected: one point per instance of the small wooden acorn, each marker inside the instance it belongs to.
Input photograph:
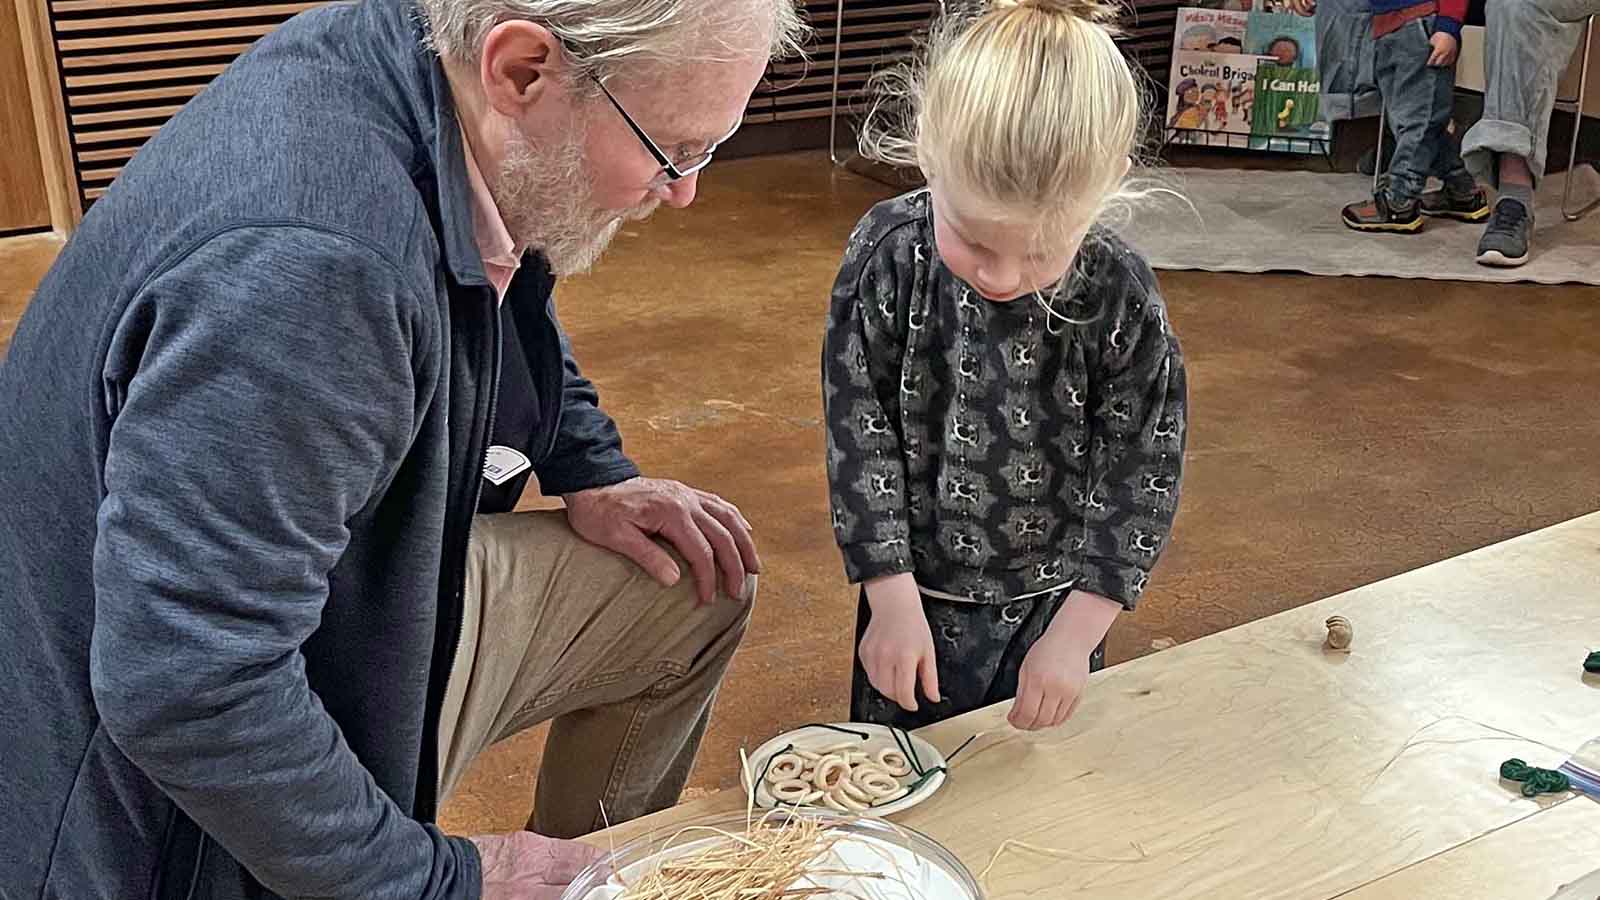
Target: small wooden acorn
(1340, 634)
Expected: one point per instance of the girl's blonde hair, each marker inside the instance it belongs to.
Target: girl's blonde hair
(1025, 105)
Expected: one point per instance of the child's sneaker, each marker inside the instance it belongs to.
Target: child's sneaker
(1473, 207)
(1377, 215)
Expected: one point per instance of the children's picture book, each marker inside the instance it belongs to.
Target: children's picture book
(1287, 84)
(1211, 91)
(1286, 106)
(1289, 38)
(1214, 30)
(1247, 68)
(1234, 5)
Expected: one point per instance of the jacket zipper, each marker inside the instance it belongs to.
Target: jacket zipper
(458, 590)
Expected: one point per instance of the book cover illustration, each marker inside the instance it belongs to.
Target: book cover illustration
(1287, 85)
(1243, 6)
(1211, 91)
(1290, 39)
(1216, 30)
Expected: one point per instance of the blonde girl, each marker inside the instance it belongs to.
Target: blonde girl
(1005, 397)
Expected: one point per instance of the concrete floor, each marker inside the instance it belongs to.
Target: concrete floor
(1343, 430)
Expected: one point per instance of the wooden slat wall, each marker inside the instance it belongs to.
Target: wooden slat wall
(875, 34)
(1147, 40)
(127, 65)
(879, 32)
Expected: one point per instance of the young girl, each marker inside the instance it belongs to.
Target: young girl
(1004, 395)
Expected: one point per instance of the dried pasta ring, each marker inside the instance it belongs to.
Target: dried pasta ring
(855, 792)
(785, 766)
(877, 783)
(845, 800)
(792, 790)
(893, 761)
(830, 772)
(882, 801)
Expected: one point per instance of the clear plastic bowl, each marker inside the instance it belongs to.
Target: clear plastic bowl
(923, 870)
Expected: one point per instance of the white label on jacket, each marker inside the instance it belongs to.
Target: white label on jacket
(503, 464)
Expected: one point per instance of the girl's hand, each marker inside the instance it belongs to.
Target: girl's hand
(1048, 686)
(897, 648)
(1050, 682)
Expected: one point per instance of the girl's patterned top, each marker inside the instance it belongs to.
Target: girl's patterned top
(999, 450)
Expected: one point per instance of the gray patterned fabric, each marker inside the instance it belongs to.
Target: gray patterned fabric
(997, 450)
(978, 651)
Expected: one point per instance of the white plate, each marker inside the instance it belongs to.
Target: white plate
(816, 737)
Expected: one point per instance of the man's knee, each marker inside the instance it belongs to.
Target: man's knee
(724, 615)
(730, 615)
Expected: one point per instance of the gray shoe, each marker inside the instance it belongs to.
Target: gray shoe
(1505, 238)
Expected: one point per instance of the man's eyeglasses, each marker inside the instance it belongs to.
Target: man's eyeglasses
(672, 170)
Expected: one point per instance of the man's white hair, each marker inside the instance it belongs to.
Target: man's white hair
(603, 33)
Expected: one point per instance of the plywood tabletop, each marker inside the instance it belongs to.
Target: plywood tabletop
(1254, 763)
(1532, 859)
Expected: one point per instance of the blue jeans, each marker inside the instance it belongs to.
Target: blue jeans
(1527, 45)
(1345, 60)
(1417, 100)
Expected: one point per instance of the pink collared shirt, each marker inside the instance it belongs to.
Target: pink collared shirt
(501, 255)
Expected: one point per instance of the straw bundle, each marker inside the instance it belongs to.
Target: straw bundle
(779, 857)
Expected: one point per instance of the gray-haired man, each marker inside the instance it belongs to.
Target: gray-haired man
(261, 597)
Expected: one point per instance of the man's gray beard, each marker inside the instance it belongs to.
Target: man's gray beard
(547, 198)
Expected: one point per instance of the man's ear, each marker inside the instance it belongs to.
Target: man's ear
(519, 67)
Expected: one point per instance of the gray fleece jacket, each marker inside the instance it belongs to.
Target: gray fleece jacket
(242, 432)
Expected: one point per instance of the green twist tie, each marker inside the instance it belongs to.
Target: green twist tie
(1535, 781)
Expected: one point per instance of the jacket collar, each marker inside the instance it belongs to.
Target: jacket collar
(397, 35)
(447, 153)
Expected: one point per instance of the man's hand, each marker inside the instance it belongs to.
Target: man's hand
(1444, 49)
(528, 866)
(707, 531)
(1050, 682)
(897, 648)
(1303, 7)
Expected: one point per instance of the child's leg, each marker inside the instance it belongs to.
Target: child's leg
(1417, 99)
(1041, 612)
(1409, 89)
(1448, 166)
(1460, 197)
(970, 641)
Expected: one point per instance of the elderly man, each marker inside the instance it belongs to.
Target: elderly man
(261, 597)
(1527, 45)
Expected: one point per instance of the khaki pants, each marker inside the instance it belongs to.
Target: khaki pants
(557, 629)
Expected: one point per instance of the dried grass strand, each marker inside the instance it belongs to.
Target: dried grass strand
(1071, 855)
